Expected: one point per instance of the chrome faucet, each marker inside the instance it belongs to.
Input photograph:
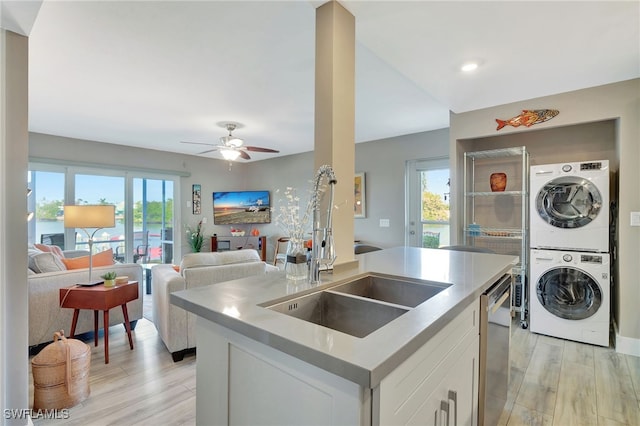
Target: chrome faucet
(322, 248)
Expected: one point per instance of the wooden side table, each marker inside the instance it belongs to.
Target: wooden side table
(100, 298)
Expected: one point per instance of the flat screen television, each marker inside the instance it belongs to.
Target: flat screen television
(240, 207)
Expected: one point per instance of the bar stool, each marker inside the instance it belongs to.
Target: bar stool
(277, 255)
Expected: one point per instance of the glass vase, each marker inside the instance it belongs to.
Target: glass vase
(296, 261)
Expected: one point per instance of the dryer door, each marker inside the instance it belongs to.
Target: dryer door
(568, 202)
(569, 293)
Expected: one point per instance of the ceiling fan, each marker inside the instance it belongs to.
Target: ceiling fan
(232, 147)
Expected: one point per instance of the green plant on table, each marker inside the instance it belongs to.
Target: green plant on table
(195, 237)
(111, 275)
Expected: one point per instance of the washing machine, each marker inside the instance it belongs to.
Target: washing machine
(569, 206)
(570, 295)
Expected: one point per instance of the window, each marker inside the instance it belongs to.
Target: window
(144, 210)
(98, 189)
(47, 201)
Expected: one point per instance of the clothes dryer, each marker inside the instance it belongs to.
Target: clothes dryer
(569, 205)
(570, 295)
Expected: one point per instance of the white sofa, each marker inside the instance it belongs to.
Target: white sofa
(46, 316)
(177, 326)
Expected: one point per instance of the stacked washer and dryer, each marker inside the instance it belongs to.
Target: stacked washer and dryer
(570, 288)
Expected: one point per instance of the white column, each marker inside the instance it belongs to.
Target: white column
(335, 115)
(14, 140)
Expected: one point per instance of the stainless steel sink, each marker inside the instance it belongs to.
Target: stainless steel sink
(351, 315)
(391, 290)
(360, 306)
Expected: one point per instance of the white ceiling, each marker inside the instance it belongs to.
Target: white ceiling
(153, 73)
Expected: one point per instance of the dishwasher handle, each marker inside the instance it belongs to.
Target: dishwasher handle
(498, 293)
(495, 306)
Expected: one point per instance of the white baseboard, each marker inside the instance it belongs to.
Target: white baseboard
(626, 345)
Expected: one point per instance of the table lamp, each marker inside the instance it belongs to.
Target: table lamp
(90, 216)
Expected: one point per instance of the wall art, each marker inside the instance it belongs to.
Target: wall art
(196, 198)
(359, 207)
(528, 118)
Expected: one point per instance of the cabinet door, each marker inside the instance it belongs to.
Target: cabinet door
(453, 401)
(462, 387)
(412, 393)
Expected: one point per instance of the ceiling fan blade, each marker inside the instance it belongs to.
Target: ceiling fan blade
(207, 151)
(244, 155)
(259, 149)
(198, 143)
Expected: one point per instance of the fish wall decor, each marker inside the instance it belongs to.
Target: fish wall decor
(528, 118)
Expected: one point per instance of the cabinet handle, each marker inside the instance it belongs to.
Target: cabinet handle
(453, 396)
(444, 406)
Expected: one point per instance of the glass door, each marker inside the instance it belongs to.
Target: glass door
(111, 191)
(47, 201)
(153, 220)
(427, 203)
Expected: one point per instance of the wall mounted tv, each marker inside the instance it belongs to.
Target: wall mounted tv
(239, 207)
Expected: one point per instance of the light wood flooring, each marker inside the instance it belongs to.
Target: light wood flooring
(558, 382)
(554, 382)
(142, 386)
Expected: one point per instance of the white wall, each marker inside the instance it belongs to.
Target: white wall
(610, 112)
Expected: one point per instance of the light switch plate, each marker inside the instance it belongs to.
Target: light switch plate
(384, 223)
(635, 218)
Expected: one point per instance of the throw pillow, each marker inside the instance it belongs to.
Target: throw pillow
(104, 258)
(52, 249)
(45, 262)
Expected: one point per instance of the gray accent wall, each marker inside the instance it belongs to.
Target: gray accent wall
(383, 162)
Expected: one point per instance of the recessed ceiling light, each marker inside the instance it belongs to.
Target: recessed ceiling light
(469, 66)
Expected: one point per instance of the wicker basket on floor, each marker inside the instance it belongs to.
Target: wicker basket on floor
(61, 374)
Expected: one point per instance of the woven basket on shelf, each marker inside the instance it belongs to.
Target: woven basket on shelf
(61, 373)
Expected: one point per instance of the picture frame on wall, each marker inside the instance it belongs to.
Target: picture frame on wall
(196, 198)
(359, 205)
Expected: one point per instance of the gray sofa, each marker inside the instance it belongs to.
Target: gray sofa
(45, 314)
(177, 326)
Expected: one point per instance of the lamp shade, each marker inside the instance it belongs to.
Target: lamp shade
(90, 216)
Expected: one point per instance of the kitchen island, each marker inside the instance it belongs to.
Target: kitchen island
(257, 365)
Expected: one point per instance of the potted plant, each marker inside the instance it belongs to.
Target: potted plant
(109, 279)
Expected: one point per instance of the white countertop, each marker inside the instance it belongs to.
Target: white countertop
(236, 305)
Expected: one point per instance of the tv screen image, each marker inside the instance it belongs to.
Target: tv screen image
(239, 207)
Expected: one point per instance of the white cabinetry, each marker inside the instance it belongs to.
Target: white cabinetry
(242, 381)
(499, 220)
(438, 384)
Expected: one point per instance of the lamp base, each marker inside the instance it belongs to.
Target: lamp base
(90, 283)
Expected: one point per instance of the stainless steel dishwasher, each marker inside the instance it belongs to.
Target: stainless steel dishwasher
(495, 338)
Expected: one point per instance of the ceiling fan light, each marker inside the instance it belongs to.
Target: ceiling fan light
(230, 154)
(233, 141)
(469, 66)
